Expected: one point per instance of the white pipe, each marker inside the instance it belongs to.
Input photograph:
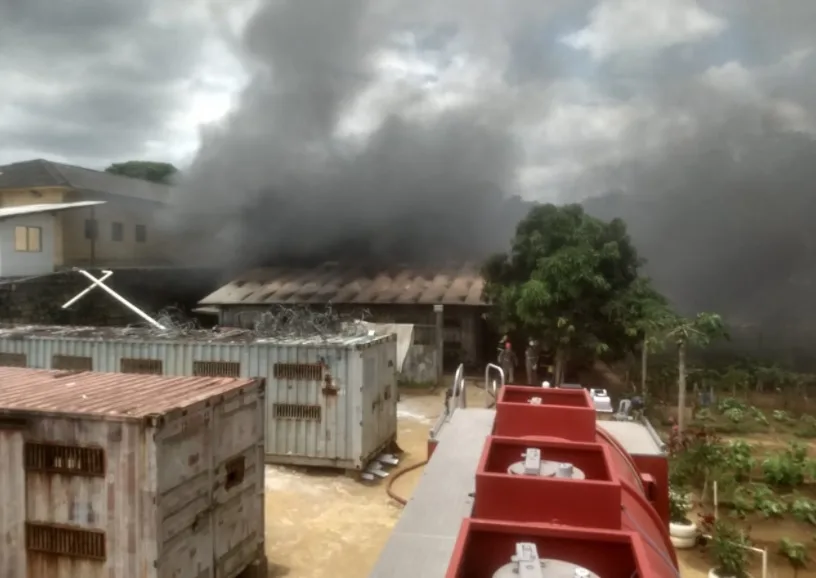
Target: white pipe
(119, 298)
(716, 501)
(84, 292)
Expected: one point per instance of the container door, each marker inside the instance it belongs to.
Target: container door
(371, 404)
(238, 489)
(184, 495)
(12, 504)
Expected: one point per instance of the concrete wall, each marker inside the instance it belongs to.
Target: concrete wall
(72, 247)
(419, 365)
(40, 300)
(118, 212)
(416, 363)
(14, 263)
(41, 195)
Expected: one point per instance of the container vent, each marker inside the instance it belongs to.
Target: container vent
(141, 366)
(216, 369)
(13, 360)
(60, 459)
(71, 363)
(295, 411)
(65, 541)
(304, 371)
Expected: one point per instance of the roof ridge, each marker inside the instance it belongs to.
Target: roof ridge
(111, 175)
(52, 169)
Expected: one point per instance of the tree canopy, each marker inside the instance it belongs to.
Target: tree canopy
(146, 170)
(572, 282)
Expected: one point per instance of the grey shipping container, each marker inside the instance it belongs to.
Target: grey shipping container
(330, 402)
(129, 476)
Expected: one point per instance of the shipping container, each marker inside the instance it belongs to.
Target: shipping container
(108, 475)
(330, 402)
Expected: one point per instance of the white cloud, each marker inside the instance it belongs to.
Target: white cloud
(643, 26)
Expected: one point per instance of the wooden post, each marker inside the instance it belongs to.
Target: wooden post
(440, 342)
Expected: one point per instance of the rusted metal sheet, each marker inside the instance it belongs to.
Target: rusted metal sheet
(337, 284)
(96, 491)
(314, 394)
(108, 395)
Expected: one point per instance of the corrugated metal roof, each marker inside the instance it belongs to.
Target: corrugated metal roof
(119, 395)
(43, 173)
(332, 283)
(355, 336)
(8, 212)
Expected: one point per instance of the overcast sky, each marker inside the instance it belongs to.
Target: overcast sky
(595, 83)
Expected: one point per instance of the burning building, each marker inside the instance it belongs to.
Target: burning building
(392, 295)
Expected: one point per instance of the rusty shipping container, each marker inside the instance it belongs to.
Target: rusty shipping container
(330, 402)
(129, 476)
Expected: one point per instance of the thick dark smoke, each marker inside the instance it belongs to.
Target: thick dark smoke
(276, 184)
(723, 205)
(716, 174)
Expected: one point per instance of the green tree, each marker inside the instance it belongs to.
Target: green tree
(649, 315)
(684, 332)
(146, 170)
(569, 280)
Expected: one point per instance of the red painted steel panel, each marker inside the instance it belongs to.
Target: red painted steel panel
(602, 519)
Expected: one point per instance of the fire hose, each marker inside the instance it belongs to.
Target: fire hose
(388, 488)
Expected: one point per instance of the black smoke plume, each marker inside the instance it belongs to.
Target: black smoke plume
(276, 184)
(716, 174)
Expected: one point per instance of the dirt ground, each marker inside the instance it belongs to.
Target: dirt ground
(321, 525)
(765, 533)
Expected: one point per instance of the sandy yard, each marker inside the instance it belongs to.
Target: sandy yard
(327, 525)
(318, 524)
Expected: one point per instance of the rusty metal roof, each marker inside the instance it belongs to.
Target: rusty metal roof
(352, 285)
(112, 395)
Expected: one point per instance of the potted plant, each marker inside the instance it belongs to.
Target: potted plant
(728, 549)
(682, 530)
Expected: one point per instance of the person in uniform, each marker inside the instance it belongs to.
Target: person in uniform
(508, 361)
(531, 363)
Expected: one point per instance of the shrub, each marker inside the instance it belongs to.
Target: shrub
(758, 416)
(679, 505)
(804, 510)
(728, 403)
(795, 553)
(727, 549)
(786, 469)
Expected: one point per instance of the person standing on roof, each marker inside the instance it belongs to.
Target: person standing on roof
(508, 361)
(531, 363)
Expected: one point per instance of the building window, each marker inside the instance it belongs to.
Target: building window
(117, 231)
(28, 239)
(141, 233)
(91, 227)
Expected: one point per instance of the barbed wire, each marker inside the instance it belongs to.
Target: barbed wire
(300, 321)
(279, 322)
(174, 321)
